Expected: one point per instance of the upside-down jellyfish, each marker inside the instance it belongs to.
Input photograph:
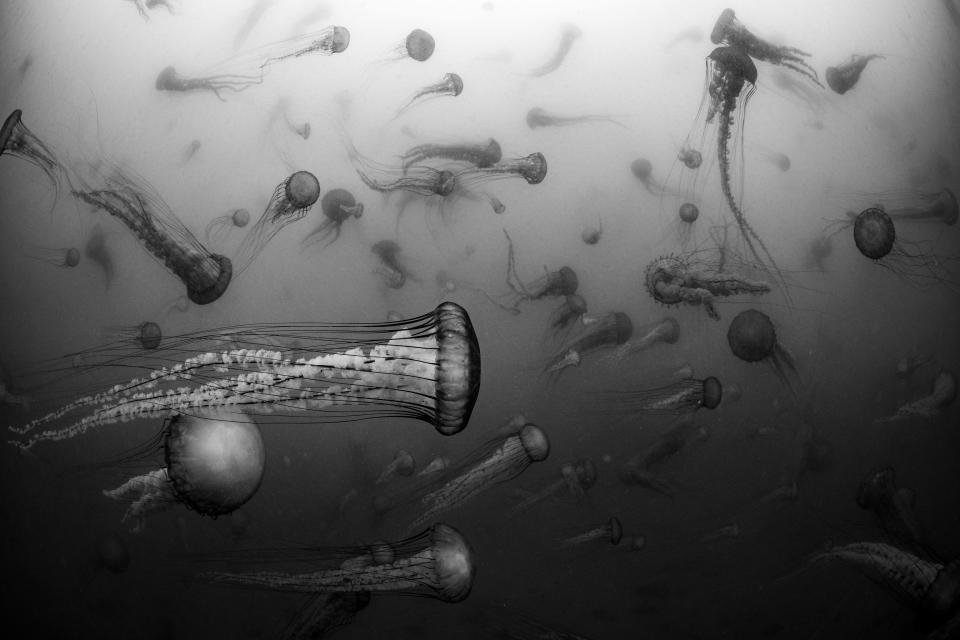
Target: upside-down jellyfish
(728, 30)
(18, 141)
(894, 506)
(65, 258)
(610, 532)
(552, 284)
(402, 464)
(248, 69)
(220, 226)
(673, 397)
(426, 368)
(674, 280)
(538, 118)
(436, 563)
(576, 478)
(392, 273)
(844, 77)
(481, 154)
(450, 85)
(931, 406)
(568, 36)
(753, 338)
(567, 314)
(290, 202)
(610, 330)
(338, 206)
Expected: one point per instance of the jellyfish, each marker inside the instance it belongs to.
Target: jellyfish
(931, 406)
(248, 69)
(538, 118)
(392, 272)
(642, 170)
(687, 215)
(438, 464)
(634, 475)
(479, 154)
(731, 530)
(576, 478)
(893, 506)
(436, 563)
(191, 151)
(496, 461)
(674, 397)
(567, 314)
(290, 202)
(610, 531)
(17, 141)
(425, 368)
(450, 85)
(753, 338)
(112, 553)
(325, 613)
(552, 284)
(813, 98)
(338, 206)
(673, 280)
(591, 234)
(418, 45)
(845, 76)
(780, 160)
(818, 250)
(611, 330)
(570, 34)
(147, 336)
(220, 226)
(939, 207)
(730, 31)
(134, 202)
(65, 258)
(402, 465)
(907, 365)
(282, 110)
(690, 157)
(532, 168)
(415, 178)
(681, 433)
(663, 331)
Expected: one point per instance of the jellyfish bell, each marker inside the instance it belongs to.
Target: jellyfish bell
(338, 206)
(688, 212)
(690, 157)
(730, 31)
(844, 77)
(450, 85)
(419, 45)
(753, 338)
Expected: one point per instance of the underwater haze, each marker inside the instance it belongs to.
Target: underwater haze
(462, 319)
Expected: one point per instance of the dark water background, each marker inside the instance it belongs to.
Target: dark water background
(89, 92)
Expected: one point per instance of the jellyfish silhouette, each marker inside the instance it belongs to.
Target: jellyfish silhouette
(681, 434)
(415, 178)
(753, 338)
(282, 111)
(437, 563)
(146, 335)
(17, 141)
(570, 34)
(729, 30)
(933, 405)
(65, 258)
(940, 207)
(440, 463)
(221, 226)
(256, 12)
(191, 151)
(96, 250)
(844, 77)
(663, 331)
(538, 118)
(134, 202)
(403, 464)
(450, 85)
(609, 532)
(325, 613)
(636, 476)
(482, 154)
(610, 330)
(664, 397)
(893, 506)
(425, 368)
(591, 234)
(497, 461)
(567, 314)
(690, 157)
(642, 170)
(290, 202)
(576, 478)
(392, 272)
(246, 70)
(338, 206)
(818, 250)
(552, 284)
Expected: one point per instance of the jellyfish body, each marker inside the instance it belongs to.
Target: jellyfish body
(147, 335)
(690, 157)
(402, 465)
(673, 397)
(392, 273)
(819, 249)
(437, 563)
(419, 45)
(893, 506)
(532, 168)
(664, 331)
(610, 330)
(482, 155)
(753, 338)
(450, 85)
(642, 170)
(191, 151)
(338, 206)
(931, 406)
(570, 34)
(681, 433)
(687, 216)
(221, 226)
(65, 258)
(567, 314)
(729, 30)
(780, 160)
(415, 178)
(844, 77)
(137, 205)
(17, 141)
(633, 475)
(576, 478)
(290, 202)
(673, 280)
(610, 532)
(538, 117)
(249, 69)
(425, 368)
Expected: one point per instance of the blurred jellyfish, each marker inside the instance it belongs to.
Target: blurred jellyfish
(780, 160)
(450, 85)
(440, 463)
(690, 157)
(402, 465)
(570, 34)
(497, 461)
(134, 202)
(844, 77)
(243, 71)
(938, 207)
(576, 478)
(642, 170)
(282, 111)
(437, 563)
(424, 368)
(290, 202)
(221, 226)
(64, 258)
(631, 475)
(591, 234)
(567, 314)
(932, 406)
(894, 507)
(610, 330)
(482, 154)
(731, 530)
(18, 141)
(191, 151)
(673, 397)
(682, 433)
(810, 97)
(502, 622)
(819, 249)
(325, 613)
(96, 251)
(552, 284)
(416, 178)
(391, 270)
(730, 31)
(664, 331)
(610, 531)
(538, 118)
(258, 8)
(239, 524)
(753, 338)
(907, 365)
(112, 553)
(338, 206)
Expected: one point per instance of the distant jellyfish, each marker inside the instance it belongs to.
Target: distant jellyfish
(780, 160)
(65, 258)
(568, 314)
(908, 364)
(631, 475)
(683, 433)
(810, 97)
(17, 141)
(282, 112)
(662, 397)
(451, 85)
(146, 336)
(112, 553)
(438, 464)
(479, 154)
(609, 532)
(419, 45)
(290, 202)
(532, 168)
(663, 331)
(553, 284)
(191, 151)
(391, 270)
(254, 15)
(437, 563)
(844, 77)
(938, 207)
(338, 206)
(642, 170)
(893, 506)
(591, 233)
(690, 158)
(818, 250)
(570, 34)
(538, 118)
(932, 406)
(97, 251)
(753, 338)
(144, 5)
(687, 216)
(576, 478)
(611, 330)
(325, 613)
(674, 280)
(498, 207)
(221, 226)
(239, 524)
(727, 531)
(403, 465)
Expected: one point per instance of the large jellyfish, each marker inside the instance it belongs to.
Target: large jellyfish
(391, 270)
(552, 284)
(18, 141)
(844, 77)
(133, 201)
(290, 202)
(436, 563)
(416, 178)
(753, 338)
(730, 31)
(894, 506)
(221, 226)
(673, 280)
(479, 154)
(538, 118)
(674, 397)
(664, 331)
(610, 330)
(610, 532)
(931, 406)
(450, 85)
(576, 478)
(570, 34)
(338, 206)
(496, 461)
(248, 69)
(425, 368)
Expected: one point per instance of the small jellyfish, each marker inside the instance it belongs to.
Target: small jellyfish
(690, 157)
(191, 151)
(687, 215)
(844, 77)
(450, 85)
(532, 168)
(642, 170)
(97, 251)
(479, 154)
(402, 465)
(282, 111)
(538, 118)
(221, 226)
(112, 553)
(907, 365)
(438, 464)
(818, 250)
(499, 208)
(780, 160)
(610, 330)
(677, 396)
(338, 206)
(552, 284)
(567, 314)
(682, 433)
(753, 338)
(18, 141)
(663, 331)
(290, 202)
(931, 406)
(591, 234)
(674, 280)
(418, 45)
(610, 532)
(65, 258)
(576, 478)
(391, 270)
(893, 506)
(938, 208)
(570, 34)
(146, 336)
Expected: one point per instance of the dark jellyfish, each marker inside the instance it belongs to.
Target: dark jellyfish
(532, 168)
(609, 532)
(221, 226)
(112, 553)
(18, 141)
(419, 45)
(481, 154)
(538, 118)
(610, 330)
(844, 77)
(932, 406)
(450, 85)
(570, 34)
(552, 284)
(145, 336)
(338, 206)
(819, 249)
(753, 338)
(391, 271)
(97, 251)
(674, 280)
(420, 179)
